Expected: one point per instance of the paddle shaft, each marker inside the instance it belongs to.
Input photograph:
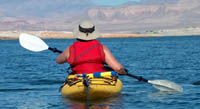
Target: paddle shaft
(55, 50)
(140, 78)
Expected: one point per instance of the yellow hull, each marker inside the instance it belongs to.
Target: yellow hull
(99, 88)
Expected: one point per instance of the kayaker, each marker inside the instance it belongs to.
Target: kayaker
(87, 55)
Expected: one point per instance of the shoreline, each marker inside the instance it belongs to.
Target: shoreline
(14, 35)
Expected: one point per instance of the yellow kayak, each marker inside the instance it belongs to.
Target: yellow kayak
(100, 85)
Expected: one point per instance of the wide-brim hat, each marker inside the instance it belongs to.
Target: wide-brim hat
(86, 31)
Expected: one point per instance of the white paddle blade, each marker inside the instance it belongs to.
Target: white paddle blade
(165, 85)
(32, 43)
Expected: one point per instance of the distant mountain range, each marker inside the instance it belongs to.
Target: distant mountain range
(63, 15)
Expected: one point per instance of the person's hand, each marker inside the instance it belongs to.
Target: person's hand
(123, 71)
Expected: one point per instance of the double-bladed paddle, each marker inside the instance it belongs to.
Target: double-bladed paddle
(36, 44)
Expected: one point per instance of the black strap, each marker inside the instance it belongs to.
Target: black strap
(86, 30)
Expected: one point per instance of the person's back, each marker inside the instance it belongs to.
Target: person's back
(87, 55)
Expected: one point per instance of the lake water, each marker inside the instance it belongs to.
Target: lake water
(31, 80)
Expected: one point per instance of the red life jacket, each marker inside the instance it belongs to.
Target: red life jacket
(86, 57)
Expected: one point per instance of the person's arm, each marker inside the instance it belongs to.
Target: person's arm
(62, 58)
(112, 62)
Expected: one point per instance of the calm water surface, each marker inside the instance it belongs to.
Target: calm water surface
(31, 80)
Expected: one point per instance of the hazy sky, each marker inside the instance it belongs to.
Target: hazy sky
(112, 2)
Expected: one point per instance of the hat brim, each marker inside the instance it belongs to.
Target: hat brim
(84, 36)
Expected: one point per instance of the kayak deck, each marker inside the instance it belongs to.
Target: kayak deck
(99, 88)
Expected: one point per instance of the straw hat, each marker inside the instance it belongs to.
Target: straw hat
(86, 31)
